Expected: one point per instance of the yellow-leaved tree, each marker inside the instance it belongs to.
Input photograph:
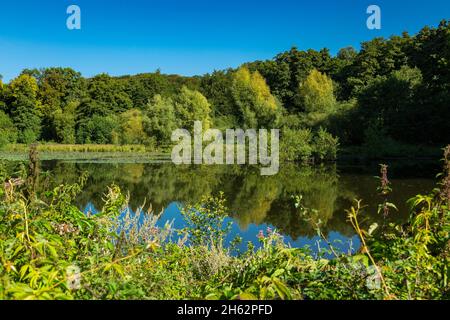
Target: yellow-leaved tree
(258, 108)
(316, 93)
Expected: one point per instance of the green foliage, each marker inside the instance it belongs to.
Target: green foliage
(132, 128)
(205, 222)
(8, 132)
(64, 122)
(106, 96)
(325, 146)
(217, 88)
(160, 120)
(316, 93)
(391, 101)
(190, 106)
(49, 249)
(296, 144)
(304, 145)
(258, 108)
(98, 129)
(24, 107)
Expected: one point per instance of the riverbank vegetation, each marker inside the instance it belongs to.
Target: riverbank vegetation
(392, 94)
(49, 249)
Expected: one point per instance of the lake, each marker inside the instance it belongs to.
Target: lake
(256, 202)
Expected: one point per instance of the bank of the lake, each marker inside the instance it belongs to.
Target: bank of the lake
(114, 253)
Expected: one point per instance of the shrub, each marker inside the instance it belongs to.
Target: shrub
(296, 145)
(325, 146)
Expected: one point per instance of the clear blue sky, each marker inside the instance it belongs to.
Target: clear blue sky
(191, 36)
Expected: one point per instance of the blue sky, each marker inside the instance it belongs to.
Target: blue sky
(190, 37)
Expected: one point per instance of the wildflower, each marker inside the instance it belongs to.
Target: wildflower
(154, 231)
(269, 230)
(384, 180)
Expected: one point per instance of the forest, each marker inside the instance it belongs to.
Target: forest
(391, 93)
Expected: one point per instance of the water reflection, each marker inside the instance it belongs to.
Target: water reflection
(255, 201)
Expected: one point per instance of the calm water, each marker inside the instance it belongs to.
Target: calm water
(256, 202)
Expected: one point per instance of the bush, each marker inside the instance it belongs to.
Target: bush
(296, 145)
(303, 145)
(29, 136)
(325, 146)
(98, 130)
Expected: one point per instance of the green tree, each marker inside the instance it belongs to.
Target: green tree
(132, 127)
(64, 122)
(106, 96)
(142, 87)
(190, 106)
(325, 146)
(2, 95)
(58, 87)
(390, 102)
(296, 144)
(257, 106)
(216, 87)
(160, 120)
(316, 93)
(99, 130)
(8, 132)
(278, 77)
(24, 107)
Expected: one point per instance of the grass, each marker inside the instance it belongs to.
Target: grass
(77, 148)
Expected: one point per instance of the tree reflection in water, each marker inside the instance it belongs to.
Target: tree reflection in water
(253, 199)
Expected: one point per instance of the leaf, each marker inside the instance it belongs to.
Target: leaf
(282, 289)
(247, 296)
(278, 273)
(372, 228)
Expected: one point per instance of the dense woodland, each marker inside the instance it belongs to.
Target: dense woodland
(393, 91)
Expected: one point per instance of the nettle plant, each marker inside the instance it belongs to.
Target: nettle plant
(412, 259)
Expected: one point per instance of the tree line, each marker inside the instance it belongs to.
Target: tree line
(393, 90)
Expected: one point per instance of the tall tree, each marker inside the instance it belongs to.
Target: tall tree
(316, 93)
(64, 122)
(190, 106)
(24, 107)
(160, 120)
(59, 88)
(8, 132)
(131, 124)
(257, 106)
(106, 96)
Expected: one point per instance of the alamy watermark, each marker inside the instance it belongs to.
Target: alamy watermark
(374, 20)
(73, 22)
(229, 150)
